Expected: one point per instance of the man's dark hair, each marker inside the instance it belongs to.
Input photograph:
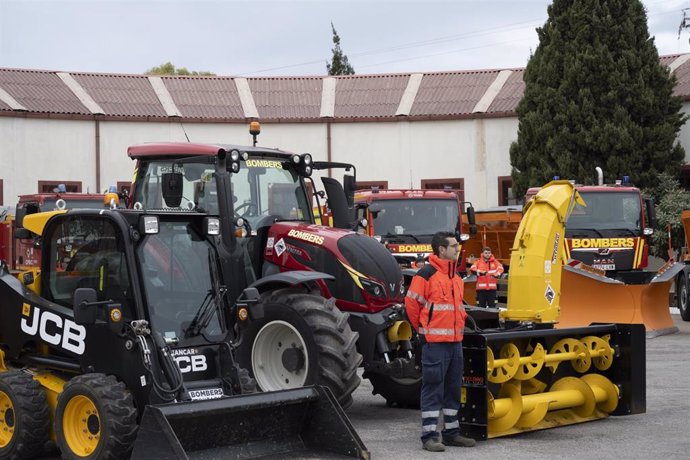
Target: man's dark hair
(440, 239)
(486, 248)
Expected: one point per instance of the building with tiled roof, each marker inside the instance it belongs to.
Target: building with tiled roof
(401, 130)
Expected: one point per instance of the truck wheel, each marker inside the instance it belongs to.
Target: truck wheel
(24, 416)
(95, 418)
(682, 297)
(302, 339)
(398, 392)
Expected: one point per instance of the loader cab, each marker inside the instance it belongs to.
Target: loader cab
(160, 268)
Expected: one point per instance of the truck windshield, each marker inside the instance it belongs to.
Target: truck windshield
(607, 214)
(414, 217)
(177, 278)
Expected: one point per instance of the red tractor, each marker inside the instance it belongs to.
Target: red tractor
(333, 297)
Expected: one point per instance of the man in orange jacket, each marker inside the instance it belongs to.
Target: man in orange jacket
(434, 308)
(487, 269)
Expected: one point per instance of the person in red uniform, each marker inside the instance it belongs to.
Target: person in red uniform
(434, 308)
(487, 269)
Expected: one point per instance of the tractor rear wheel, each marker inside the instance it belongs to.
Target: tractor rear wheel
(24, 416)
(95, 418)
(302, 339)
(398, 392)
(682, 296)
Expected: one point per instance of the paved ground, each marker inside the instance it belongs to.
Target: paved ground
(662, 433)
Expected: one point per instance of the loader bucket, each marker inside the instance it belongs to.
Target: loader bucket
(526, 380)
(641, 298)
(303, 422)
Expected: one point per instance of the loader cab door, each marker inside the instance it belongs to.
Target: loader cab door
(86, 251)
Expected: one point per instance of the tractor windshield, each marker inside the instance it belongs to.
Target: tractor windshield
(607, 214)
(414, 217)
(177, 279)
(264, 189)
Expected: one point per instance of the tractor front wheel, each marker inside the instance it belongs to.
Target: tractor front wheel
(95, 418)
(302, 339)
(24, 416)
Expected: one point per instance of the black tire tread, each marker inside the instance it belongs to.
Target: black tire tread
(117, 414)
(31, 413)
(336, 341)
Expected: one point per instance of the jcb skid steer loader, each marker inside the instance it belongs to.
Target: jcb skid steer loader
(521, 373)
(124, 344)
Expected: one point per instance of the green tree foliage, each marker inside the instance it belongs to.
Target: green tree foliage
(339, 64)
(596, 95)
(670, 200)
(169, 69)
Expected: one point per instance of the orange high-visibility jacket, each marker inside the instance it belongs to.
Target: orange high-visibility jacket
(490, 270)
(434, 302)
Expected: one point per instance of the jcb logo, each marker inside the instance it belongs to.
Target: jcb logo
(53, 329)
(193, 363)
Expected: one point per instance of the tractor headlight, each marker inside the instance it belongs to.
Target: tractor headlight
(212, 225)
(372, 287)
(306, 158)
(235, 155)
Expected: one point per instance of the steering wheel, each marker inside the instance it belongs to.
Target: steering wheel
(249, 205)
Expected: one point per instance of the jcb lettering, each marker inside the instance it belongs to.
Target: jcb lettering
(596, 243)
(195, 363)
(55, 330)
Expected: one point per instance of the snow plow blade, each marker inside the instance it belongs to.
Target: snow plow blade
(302, 422)
(588, 297)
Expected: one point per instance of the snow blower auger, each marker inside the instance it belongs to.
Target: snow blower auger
(128, 346)
(523, 374)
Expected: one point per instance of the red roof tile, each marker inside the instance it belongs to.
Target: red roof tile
(40, 91)
(369, 96)
(508, 97)
(205, 97)
(123, 95)
(298, 97)
(451, 93)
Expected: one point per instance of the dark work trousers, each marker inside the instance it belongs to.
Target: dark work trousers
(441, 381)
(486, 298)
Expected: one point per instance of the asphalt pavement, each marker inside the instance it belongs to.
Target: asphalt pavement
(663, 432)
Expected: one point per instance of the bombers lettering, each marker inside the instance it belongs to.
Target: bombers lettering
(306, 236)
(584, 243)
(412, 248)
(264, 164)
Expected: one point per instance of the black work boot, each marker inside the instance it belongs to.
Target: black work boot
(459, 441)
(433, 445)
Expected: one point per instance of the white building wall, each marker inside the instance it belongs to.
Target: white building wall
(44, 149)
(402, 152)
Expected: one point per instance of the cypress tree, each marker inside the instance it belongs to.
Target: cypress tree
(596, 95)
(339, 64)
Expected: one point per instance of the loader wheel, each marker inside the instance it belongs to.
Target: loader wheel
(398, 392)
(24, 416)
(302, 340)
(682, 297)
(95, 418)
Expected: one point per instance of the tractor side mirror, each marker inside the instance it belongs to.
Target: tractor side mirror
(19, 217)
(84, 310)
(172, 188)
(471, 220)
(349, 185)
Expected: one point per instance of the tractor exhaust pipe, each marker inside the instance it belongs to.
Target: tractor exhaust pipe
(600, 176)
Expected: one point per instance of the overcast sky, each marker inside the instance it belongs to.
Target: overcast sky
(287, 37)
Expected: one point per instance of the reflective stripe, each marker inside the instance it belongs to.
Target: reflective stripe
(444, 306)
(427, 428)
(418, 298)
(435, 331)
(454, 424)
(431, 413)
(450, 412)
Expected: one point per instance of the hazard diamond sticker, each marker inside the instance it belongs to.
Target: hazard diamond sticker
(280, 247)
(550, 294)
